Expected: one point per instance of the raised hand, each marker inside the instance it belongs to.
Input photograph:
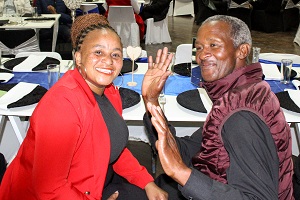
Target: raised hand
(156, 76)
(166, 146)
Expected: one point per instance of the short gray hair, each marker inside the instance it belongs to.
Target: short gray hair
(240, 33)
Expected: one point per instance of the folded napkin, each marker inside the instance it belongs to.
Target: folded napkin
(270, 71)
(195, 100)
(129, 97)
(289, 100)
(276, 58)
(16, 93)
(27, 67)
(29, 63)
(296, 83)
(5, 75)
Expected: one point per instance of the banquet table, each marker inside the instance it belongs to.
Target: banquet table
(186, 121)
(37, 25)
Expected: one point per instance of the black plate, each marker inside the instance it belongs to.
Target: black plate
(42, 66)
(191, 100)
(183, 69)
(286, 102)
(127, 66)
(33, 97)
(129, 97)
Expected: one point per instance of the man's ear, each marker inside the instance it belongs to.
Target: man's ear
(243, 51)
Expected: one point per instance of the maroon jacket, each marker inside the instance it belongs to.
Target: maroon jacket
(244, 90)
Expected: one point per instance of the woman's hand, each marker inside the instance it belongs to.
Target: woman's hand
(154, 192)
(156, 76)
(166, 146)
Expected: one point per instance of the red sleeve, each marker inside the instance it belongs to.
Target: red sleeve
(128, 167)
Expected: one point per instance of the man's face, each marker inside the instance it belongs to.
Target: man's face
(215, 54)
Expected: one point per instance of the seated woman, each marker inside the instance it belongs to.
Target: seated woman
(75, 145)
(136, 9)
(12, 7)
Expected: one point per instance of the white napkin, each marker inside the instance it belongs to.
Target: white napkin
(294, 94)
(6, 77)
(296, 83)
(205, 99)
(29, 63)
(16, 93)
(270, 71)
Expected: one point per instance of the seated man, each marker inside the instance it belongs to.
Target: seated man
(244, 149)
(12, 7)
(65, 20)
(156, 9)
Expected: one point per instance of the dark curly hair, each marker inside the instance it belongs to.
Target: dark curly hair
(85, 24)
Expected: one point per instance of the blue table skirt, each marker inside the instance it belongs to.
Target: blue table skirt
(175, 84)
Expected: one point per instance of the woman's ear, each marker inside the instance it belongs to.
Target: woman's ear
(77, 58)
(243, 51)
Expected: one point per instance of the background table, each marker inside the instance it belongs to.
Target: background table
(37, 25)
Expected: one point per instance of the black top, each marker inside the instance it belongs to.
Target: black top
(118, 131)
(254, 165)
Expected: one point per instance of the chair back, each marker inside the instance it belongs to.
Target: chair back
(122, 19)
(183, 54)
(89, 8)
(15, 41)
(48, 54)
(121, 14)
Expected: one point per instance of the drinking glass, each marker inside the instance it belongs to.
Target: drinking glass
(255, 55)
(53, 74)
(285, 70)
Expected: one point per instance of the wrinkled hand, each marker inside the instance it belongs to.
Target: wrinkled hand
(166, 146)
(155, 193)
(114, 196)
(51, 9)
(156, 76)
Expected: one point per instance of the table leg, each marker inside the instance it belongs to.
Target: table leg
(55, 32)
(18, 127)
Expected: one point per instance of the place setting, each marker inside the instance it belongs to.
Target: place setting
(30, 63)
(20, 94)
(129, 96)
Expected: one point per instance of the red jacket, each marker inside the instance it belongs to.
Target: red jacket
(66, 151)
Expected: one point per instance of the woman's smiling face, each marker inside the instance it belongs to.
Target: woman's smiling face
(100, 58)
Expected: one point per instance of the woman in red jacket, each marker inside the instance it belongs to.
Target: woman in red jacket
(136, 8)
(76, 141)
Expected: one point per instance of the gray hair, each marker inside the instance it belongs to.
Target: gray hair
(240, 33)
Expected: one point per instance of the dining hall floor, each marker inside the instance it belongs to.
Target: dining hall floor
(182, 29)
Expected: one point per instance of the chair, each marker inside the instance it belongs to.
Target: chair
(15, 41)
(121, 18)
(274, 17)
(157, 32)
(48, 54)
(241, 9)
(89, 8)
(183, 54)
(183, 7)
